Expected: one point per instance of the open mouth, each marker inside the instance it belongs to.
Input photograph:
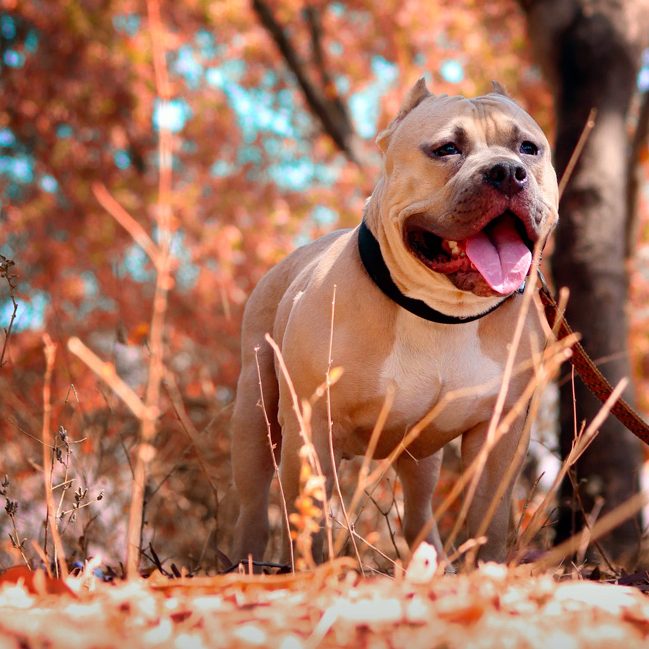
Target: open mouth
(496, 260)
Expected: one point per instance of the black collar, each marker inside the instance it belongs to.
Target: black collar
(372, 259)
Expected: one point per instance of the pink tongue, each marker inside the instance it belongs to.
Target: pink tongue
(500, 257)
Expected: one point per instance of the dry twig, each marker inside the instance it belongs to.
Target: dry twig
(332, 455)
(60, 565)
(579, 147)
(6, 271)
(271, 447)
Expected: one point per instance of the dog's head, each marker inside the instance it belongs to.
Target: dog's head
(468, 189)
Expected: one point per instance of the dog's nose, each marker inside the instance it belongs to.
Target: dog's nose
(509, 177)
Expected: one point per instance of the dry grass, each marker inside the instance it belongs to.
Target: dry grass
(364, 518)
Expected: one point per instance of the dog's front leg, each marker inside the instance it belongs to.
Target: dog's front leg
(496, 468)
(418, 479)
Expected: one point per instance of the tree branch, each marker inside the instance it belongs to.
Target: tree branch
(331, 113)
(312, 17)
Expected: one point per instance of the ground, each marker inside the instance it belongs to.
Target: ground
(333, 606)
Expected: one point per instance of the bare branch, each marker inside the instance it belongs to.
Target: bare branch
(137, 232)
(106, 371)
(331, 112)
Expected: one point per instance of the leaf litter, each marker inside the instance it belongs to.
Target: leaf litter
(332, 606)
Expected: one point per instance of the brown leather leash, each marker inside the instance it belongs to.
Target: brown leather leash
(594, 380)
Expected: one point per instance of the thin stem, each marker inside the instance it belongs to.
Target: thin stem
(15, 539)
(576, 153)
(580, 444)
(60, 566)
(145, 450)
(5, 271)
(191, 432)
(271, 447)
(332, 456)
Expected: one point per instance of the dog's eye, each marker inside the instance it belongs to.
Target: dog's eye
(529, 148)
(450, 148)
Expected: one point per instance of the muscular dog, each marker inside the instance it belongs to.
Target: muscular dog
(426, 301)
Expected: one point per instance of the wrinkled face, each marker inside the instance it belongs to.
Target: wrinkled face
(470, 189)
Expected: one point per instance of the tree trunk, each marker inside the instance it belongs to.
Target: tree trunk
(591, 53)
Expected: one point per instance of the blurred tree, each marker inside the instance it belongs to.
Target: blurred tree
(591, 52)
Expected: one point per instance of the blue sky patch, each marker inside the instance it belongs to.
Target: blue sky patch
(64, 131)
(324, 215)
(365, 104)
(206, 44)
(188, 67)
(127, 23)
(31, 41)
(221, 168)
(7, 138)
(452, 71)
(135, 263)
(7, 27)
(14, 59)
(19, 168)
(171, 115)
(122, 159)
(643, 75)
(30, 313)
(48, 184)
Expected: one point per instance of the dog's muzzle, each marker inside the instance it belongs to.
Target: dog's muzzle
(493, 261)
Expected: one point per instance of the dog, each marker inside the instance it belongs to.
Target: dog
(426, 301)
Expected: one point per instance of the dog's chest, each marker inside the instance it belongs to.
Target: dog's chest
(430, 362)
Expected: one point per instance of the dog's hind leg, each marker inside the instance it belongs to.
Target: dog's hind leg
(418, 479)
(252, 462)
(291, 476)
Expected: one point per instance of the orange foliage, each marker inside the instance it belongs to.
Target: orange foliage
(86, 96)
(251, 163)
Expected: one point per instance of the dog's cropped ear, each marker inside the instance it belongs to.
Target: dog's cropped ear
(415, 96)
(498, 89)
